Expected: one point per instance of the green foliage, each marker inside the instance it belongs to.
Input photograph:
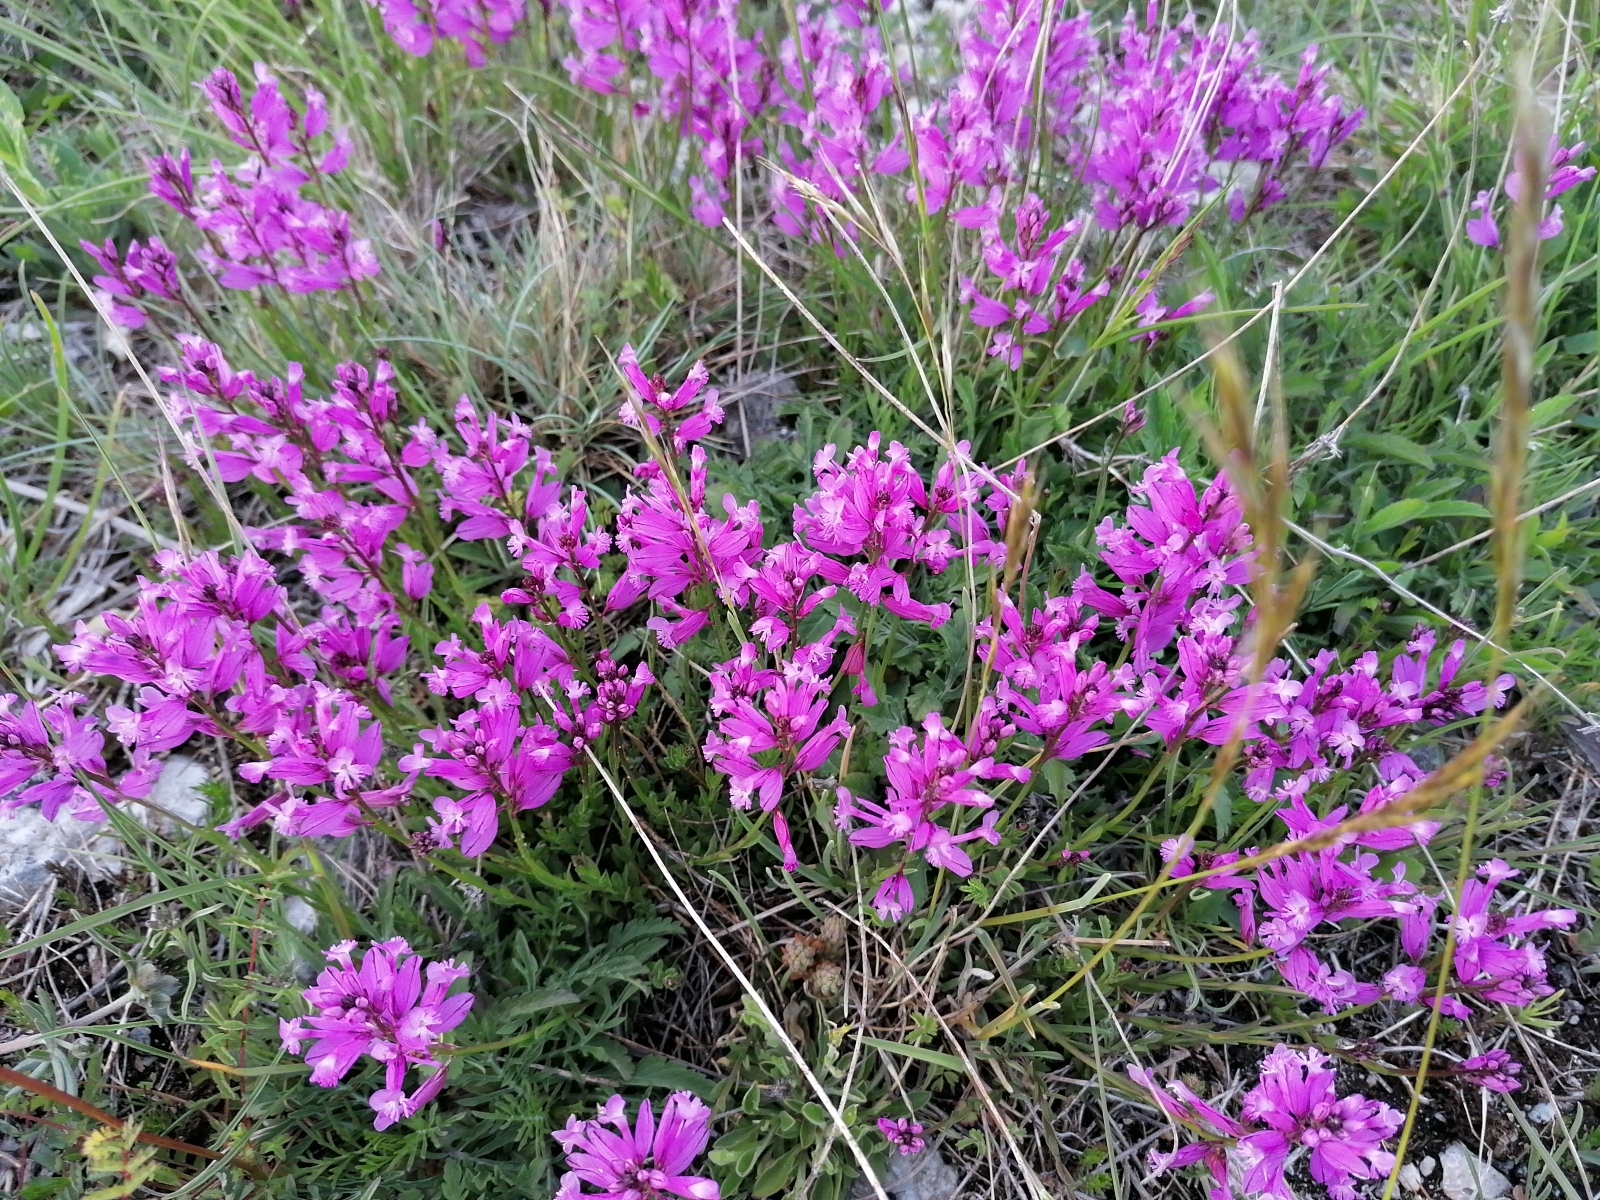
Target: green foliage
(563, 247)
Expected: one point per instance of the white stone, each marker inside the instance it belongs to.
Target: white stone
(1542, 1114)
(300, 915)
(1411, 1178)
(30, 845)
(924, 1176)
(1468, 1177)
(1428, 1164)
(176, 793)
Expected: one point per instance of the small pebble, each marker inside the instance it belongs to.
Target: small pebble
(1542, 1114)
(1468, 1177)
(300, 914)
(1411, 1178)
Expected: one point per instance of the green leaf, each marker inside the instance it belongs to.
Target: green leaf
(1391, 515)
(776, 1176)
(935, 1057)
(537, 1001)
(43, 1189)
(1548, 412)
(746, 1162)
(1454, 508)
(659, 1072)
(1391, 445)
(736, 1141)
(1403, 512)
(1058, 777)
(14, 147)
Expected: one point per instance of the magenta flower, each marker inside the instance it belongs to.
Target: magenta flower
(407, 24)
(477, 23)
(1061, 703)
(894, 899)
(597, 26)
(1306, 890)
(902, 1133)
(1484, 230)
(478, 485)
(382, 1009)
(876, 506)
(789, 724)
(1025, 265)
(141, 272)
(1271, 124)
(65, 772)
(560, 542)
(514, 652)
(672, 551)
(416, 572)
(1486, 961)
(1176, 546)
(497, 760)
(783, 593)
(1446, 701)
(1178, 1103)
(1497, 1071)
(258, 227)
(1404, 982)
(923, 780)
(1334, 988)
(1297, 1103)
(643, 1161)
(1294, 1105)
(657, 407)
(836, 132)
(1152, 312)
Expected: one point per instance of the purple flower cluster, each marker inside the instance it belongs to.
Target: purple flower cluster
(391, 1008)
(848, 84)
(1293, 1106)
(867, 546)
(257, 226)
(51, 756)
(873, 521)
(213, 645)
(924, 779)
(904, 1134)
(709, 78)
(1181, 560)
(415, 25)
(1035, 295)
(503, 763)
(1484, 229)
(134, 276)
(646, 1160)
(1146, 128)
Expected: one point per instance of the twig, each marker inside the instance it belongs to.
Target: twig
(39, 1088)
(35, 1039)
(1532, 512)
(77, 507)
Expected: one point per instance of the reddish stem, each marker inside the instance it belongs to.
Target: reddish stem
(40, 1088)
